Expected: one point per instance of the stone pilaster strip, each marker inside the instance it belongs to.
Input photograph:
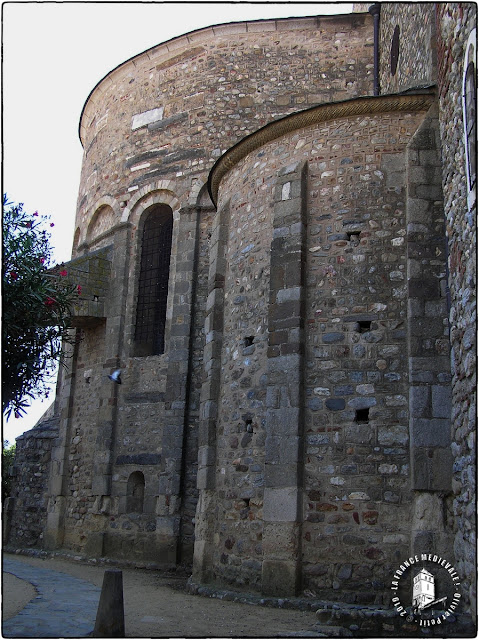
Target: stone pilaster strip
(58, 480)
(428, 338)
(206, 481)
(177, 387)
(429, 376)
(284, 419)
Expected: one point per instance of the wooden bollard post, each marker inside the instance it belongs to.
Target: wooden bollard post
(110, 617)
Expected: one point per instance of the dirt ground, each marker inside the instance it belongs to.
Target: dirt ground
(157, 606)
(16, 594)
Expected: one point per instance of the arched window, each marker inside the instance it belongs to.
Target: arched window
(135, 492)
(470, 116)
(153, 282)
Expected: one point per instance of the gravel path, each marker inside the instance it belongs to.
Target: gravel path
(156, 606)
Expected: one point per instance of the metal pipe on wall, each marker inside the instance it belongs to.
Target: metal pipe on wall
(375, 10)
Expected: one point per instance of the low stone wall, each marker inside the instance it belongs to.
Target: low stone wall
(32, 464)
(339, 620)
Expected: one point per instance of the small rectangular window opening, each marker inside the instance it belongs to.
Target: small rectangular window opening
(364, 326)
(362, 415)
(353, 235)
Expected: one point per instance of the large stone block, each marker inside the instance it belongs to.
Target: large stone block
(206, 455)
(167, 527)
(280, 578)
(282, 449)
(430, 432)
(206, 477)
(432, 469)
(284, 367)
(94, 547)
(441, 401)
(54, 532)
(281, 475)
(101, 485)
(284, 421)
(281, 504)
(420, 401)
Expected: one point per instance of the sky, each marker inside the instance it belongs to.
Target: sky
(54, 53)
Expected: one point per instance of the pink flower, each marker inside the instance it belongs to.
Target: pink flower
(42, 260)
(13, 275)
(49, 301)
(63, 273)
(79, 289)
(52, 224)
(36, 213)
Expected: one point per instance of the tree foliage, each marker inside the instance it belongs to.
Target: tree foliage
(37, 304)
(8, 458)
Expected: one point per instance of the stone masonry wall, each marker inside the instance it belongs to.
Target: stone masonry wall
(455, 22)
(150, 129)
(428, 343)
(173, 110)
(30, 497)
(189, 488)
(416, 61)
(355, 461)
(82, 437)
(357, 442)
(240, 434)
(302, 403)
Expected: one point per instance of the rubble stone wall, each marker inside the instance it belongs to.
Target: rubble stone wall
(151, 130)
(29, 497)
(81, 438)
(296, 432)
(172, 111)
(341, 310)
(409, 31)
(455, 23)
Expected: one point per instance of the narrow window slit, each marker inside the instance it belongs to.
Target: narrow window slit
(353, 235)
(364, 326)
(248, 341)
(362, 415)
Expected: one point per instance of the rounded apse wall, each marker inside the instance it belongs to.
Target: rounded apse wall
(330, 197)
(170, 112)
